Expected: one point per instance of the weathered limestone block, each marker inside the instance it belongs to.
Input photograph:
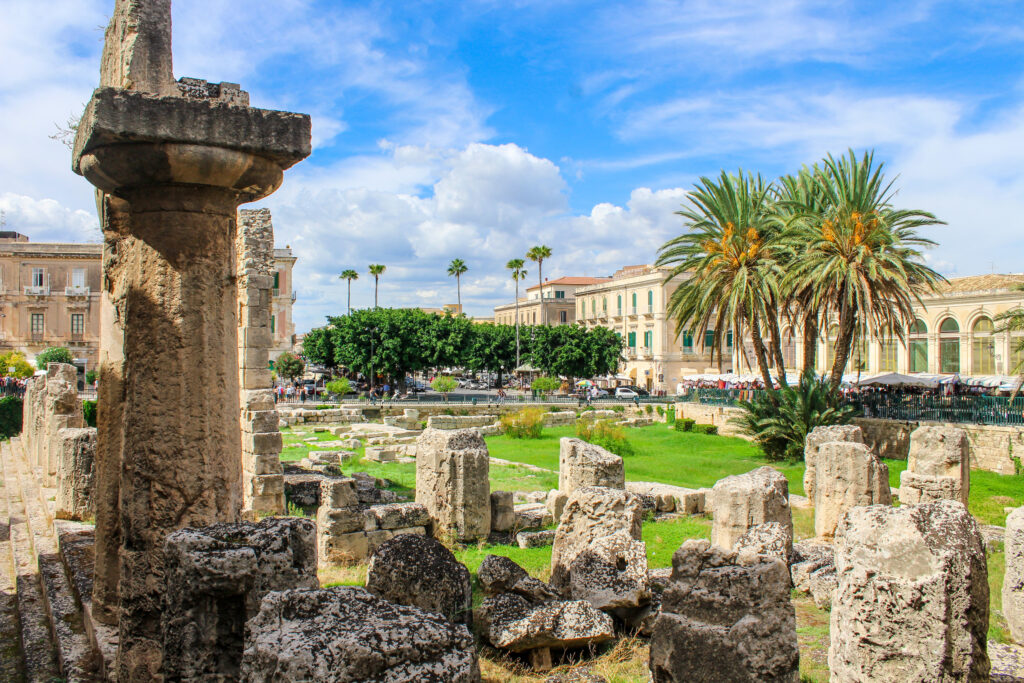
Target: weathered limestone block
(770, 538)
(611, 574)
(584, 464)
(535, 539)
(531, 516)
(813, 571)
(848, 475)
(503, 513)
(670, 498)
(452, 481)
(62, 409)
(742, 501)
(555, 503)
(938, 466)
(76, 466)
(420, 572)
(812, 444)
(498, 575)
(349, 635)
(591, 513)
(725, 616)
(512, 622)
(913, 597)
(391, 516)
(216, 578)
(1013, 581)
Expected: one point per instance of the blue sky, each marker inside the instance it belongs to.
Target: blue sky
(479, 128)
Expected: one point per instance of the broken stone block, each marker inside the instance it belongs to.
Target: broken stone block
(531, 516)
(503, 514)
(393, 516)
(770, 538)
(512, 622)
(76, 466)
(556, 503)
(913, 598)
(742, 501)
(420, 572)
(812, 444)
(350, 635)
(611, 574)
(452, 481)
(215, 579)
(499, 574)
(725, 616)
(585, 464)
(380, 454)
(849, 474)
(1013, 581)
(591, 513)
(813, 571)
(938, 466)
(535, 539)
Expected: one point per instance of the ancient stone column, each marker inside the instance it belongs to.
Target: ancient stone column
(743, 501)
(262, 474)
(452, 482)
(585, 464)
(183, 157)
(725, 616)
(1013, 580)
(76, 464)
(913, 597)
(812, 444)
(62, 409)
(938, 466)
(848, 475)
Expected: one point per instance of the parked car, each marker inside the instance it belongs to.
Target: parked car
(626, 392)
(639, 391)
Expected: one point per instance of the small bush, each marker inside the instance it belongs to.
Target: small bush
(555, 409)
(545, 385)
(339, 387)
(91, 377)
(444, 385)
(89, 412)
(603, 433)
(10, 416)
(661, 411)
(324, 406)
(649, 409)
(589, 408)
(705, 429)
(54, 354)
(528, 423)
(670, 416)
(684, 424)
(619, 409)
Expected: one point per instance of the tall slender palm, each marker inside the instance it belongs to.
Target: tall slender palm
(861, 259)
(455, 269)
(728, 256)
(349, 275)
(538, 254)
(376, 270)
(518, 273)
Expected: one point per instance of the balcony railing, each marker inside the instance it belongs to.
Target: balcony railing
(293, 297)
(76, 290)
(37, 290)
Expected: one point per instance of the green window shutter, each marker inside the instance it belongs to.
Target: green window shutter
(620, 303)
(634, 299)
(277, 279)
(650, 298)
(272, 319)
(709, 339)
(687, 340)
(632, 340)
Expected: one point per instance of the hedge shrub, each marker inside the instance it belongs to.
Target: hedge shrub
(89, 410)
(10, 416)
(705, 429)
(684, 424)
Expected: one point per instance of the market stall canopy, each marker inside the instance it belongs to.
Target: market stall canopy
(899, 379)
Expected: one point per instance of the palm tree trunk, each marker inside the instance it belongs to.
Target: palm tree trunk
(458, 288)
(761, 353)
(776, 339)
(517, 323)
(350, 297)
(540, 281)
(376, 284)
(810, 340)
(843, 343)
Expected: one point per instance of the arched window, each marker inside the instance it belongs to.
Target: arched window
(634, 302)
(788, 348)
(604, 304)
(918, 342)
(983, 359)
(887, 352)
(620, 304)
(650, 301)
(949, 346)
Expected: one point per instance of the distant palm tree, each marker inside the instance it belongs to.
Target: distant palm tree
(455, 269)
(538, 254)
(518, 273)
(349, 275)
(376, 270)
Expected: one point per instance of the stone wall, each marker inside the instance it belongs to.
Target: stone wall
(460, 421)
(262, 478)
(720, 416)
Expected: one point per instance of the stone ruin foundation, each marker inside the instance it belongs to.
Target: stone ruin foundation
(453, 483)
(848, 475)
(585, 464)
(938, 466)
(1013, 580)
(913, 596)
(743, 501)
(812, 444)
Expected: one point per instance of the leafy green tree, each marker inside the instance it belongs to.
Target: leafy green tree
(444, 385)
(518, 273)
(318, 347)
(289, 366)
(376, 270)
(861, 261)
(729, 258)
(491, 348)
(445, 340)
(349, 275)
(382, 341)
(16, 360)
(781, 427)
(54, 354)
(340, 386)
(545, 385)
(573, 351)
(457, 268)
(538, 254)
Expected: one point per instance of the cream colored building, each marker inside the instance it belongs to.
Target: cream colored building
(634, 303)
(953, 333)
(553, 303)
(50, 294)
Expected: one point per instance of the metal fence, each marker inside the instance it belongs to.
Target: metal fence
(967, 409)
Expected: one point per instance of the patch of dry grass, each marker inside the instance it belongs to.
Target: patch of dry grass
(343, 575)
(625, 662)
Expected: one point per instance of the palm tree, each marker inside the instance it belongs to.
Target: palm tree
(518, 273)
(861, 262)
(376, 270)
(729, 257)
(538, 254)
(349, 275)
(455, 269)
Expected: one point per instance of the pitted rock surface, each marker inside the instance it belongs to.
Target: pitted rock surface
(349, 635)
(848, 475)
(812, 444)
(585, 464)
(913, 596)
(1013, 580)
(938, 466)
(499, 575)
(742, 501)
(813, 571)
(770, 538)
(725, 616)
(611, 574)
(453, 482)
(511, 622)
(578, 675)
(420, 572)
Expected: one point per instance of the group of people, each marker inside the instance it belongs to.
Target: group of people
(12, 386)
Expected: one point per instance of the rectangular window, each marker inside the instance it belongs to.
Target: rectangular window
(277, 279)
(632, 340)
(887, 357)
(949, 356)
(919, 355)
(984, 360)
(78, 324)
(1016, 355)
(273, 318)
(78, 277)
(559, 294)
(37, 277)
(649, 338)
(37, 324)
(687, 342)
(563, 316)
(709, 339)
